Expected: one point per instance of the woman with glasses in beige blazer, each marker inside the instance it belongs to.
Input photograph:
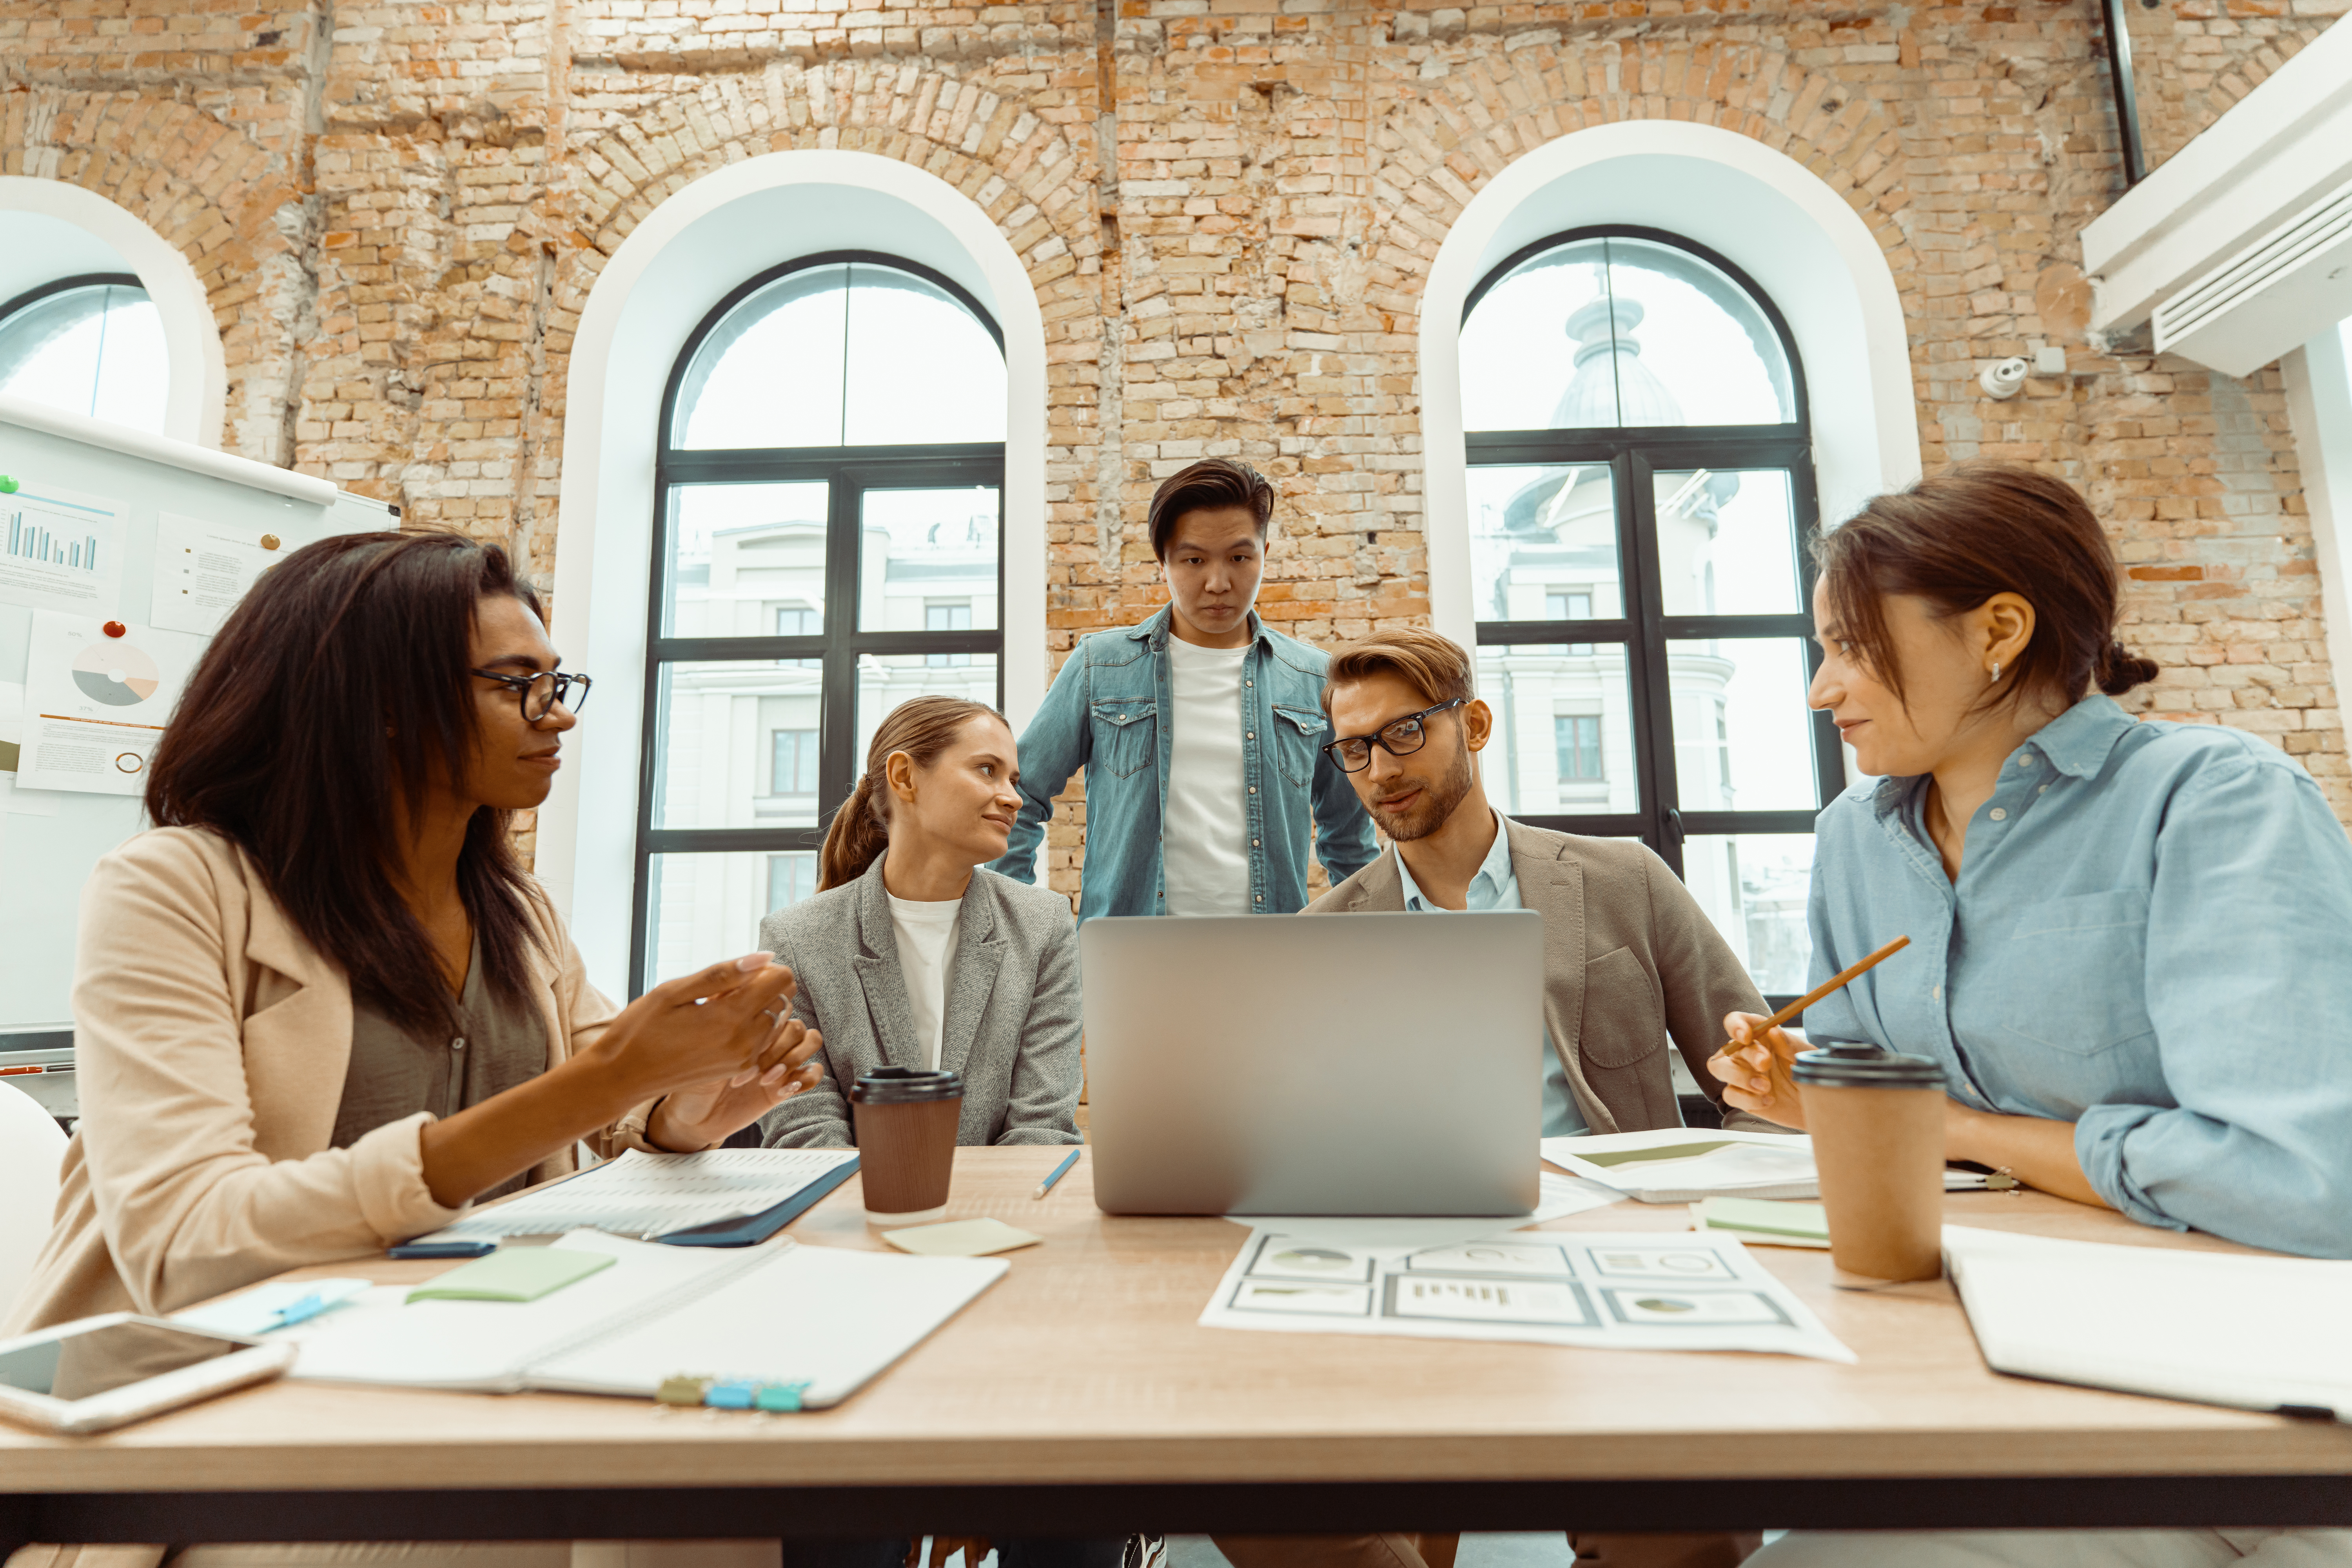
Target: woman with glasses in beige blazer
(320, 1007)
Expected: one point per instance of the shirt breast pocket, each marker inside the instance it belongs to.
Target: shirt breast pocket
(2075, 973)
(1298, 733)
(1126, 737)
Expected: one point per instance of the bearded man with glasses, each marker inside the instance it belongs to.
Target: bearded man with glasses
(1630, 966)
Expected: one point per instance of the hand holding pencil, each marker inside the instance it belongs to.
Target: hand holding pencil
(1753, 1064)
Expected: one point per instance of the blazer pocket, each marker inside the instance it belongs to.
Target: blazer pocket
(1622, 1022)
(1298, 733)
(1126, 736)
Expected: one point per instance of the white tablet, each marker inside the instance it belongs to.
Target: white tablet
(98, 1373)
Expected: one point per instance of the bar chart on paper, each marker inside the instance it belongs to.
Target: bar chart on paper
(51, 539)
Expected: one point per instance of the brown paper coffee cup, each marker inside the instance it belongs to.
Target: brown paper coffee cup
(1877, 1123)
(905, 1123)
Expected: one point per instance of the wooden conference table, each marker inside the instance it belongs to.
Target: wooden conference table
(1079, 1395)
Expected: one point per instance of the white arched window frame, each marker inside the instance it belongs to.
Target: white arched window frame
(678, 264)
(50, 230)
(1813, 267)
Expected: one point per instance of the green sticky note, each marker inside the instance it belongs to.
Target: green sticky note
(513, 1274)
(1762, 1219)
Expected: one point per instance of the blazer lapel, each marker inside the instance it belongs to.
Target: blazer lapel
(296, 1029)
(971, 974)
(1551, 883)
(1383, 890)
(879, 976)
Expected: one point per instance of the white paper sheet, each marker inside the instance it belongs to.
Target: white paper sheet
(96, 705)
(1684, 1164)
(202, 569)
(60, 549)
(1689, 1291)
(652, 1194)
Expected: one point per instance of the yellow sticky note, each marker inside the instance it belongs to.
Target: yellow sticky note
(960, 1238)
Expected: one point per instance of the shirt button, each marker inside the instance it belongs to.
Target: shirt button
(1253, 789)
(1252, 843)
(1261, 898)
(458, 1044)
(1249, 683)
(2026, 760)
(1938, 994)
(2044, 790)
(1999, 813)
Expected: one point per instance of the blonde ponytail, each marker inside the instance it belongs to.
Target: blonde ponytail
(922, 727)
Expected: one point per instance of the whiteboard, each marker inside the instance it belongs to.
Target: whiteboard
(49, 839)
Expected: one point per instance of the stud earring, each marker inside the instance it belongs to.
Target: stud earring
(1996, 669)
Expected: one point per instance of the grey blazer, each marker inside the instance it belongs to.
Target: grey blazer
(1012, 1024)
(1629, 960)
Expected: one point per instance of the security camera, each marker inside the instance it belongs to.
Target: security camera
(2004, 378)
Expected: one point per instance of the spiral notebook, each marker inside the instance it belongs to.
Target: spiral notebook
(829, 1318)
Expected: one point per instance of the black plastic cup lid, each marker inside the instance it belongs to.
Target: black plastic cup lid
(900, 1085)
(1866, 1066)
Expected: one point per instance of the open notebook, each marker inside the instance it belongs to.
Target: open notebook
(1684, 1164)
(2258, 1332)
(826, 1317)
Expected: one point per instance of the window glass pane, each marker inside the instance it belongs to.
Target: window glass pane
(791, 877)
(1543, 543)
(927, 549)
(1728, 543)
(703, 908)
(1753, 887)
(97, 351)
(1621, 331)
(886, 680)
(1563, 741)
(738, 743)
(1743, 736)
(819, 358)
(746, 561)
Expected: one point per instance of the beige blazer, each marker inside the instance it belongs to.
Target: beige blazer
(210, 1042)
(1629, 960)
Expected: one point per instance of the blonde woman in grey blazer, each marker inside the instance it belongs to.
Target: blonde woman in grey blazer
(912, 955)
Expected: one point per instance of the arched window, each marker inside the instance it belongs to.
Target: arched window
(828, 543)
(1639, 482)
(91, 345)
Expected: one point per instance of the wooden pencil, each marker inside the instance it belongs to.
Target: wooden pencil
(1843, 977)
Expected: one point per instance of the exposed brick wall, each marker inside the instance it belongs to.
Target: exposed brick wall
(1227, 208)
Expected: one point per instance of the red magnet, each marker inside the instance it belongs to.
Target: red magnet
(115, 629)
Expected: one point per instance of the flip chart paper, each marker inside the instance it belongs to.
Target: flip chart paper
(202, 569)
(60, 549)
(96, 705)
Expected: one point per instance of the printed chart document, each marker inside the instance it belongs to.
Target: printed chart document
(652, 1194)
(95, 704)
(60, 549)
(202, 569)
(1682, 1290)
(2257, 1333)
(1684, 1164)
(827, 1318)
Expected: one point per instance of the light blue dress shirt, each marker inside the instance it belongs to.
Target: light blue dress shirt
(1497, 887)
(2150, 936)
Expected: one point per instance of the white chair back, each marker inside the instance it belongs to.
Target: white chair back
(31, 1145)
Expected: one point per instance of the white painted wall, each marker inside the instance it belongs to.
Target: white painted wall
(1759, 209)
(49, 230)
(688, 255)
(2319, 407)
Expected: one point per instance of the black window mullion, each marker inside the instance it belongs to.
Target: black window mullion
(648, 753)
(1828, 750)
(838, 764)
(1654, 729)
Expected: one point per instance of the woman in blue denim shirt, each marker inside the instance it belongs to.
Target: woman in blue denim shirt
(2131, 944)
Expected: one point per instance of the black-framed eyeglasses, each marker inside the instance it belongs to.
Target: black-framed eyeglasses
(1398, 737)
(540, 693)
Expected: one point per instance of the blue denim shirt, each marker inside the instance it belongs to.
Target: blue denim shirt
(1497, 887)
(1110, 711)
(2150, 936)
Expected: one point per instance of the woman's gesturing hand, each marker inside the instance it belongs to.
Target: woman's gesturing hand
(708, 1025)
(699, 1116)
(1755, 1070)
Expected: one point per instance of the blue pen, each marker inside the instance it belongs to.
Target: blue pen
(304, 1310)
(1059, 1172)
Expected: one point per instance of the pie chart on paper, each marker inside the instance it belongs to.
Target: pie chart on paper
(116, 674)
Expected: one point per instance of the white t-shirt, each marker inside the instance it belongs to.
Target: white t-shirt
(1204, 870)
(926, 934)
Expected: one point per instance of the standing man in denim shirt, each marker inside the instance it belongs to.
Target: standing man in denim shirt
(1201, 732)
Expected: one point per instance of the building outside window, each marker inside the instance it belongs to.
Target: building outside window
(91, 345)
(1640, 481)
(817, 505)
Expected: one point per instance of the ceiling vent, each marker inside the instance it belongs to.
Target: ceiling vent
(2290, 286)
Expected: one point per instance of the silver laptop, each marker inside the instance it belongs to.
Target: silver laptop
(1386, 1064)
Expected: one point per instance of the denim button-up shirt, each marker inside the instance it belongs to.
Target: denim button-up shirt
(2150, 936)
(1111, 711)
